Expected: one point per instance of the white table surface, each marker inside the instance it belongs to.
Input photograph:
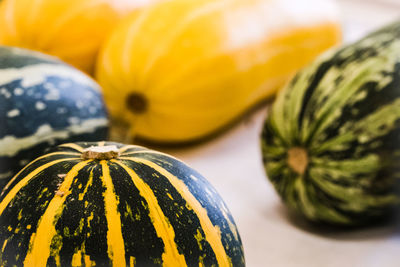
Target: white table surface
(232, 162)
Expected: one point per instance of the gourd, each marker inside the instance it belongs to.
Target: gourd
(72, 30)
(108, 204)
(43, 102)
(180, 71)
(331, 143)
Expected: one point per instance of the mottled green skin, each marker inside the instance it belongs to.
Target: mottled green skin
(344, 110)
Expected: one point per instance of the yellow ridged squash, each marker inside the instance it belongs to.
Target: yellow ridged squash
(180, 70)
(72, 30)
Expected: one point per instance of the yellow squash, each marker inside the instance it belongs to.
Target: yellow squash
(180, 70)
(73, 30)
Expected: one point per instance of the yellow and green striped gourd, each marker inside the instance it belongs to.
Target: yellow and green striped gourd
(108, 204)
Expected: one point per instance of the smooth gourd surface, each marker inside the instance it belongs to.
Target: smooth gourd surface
(72, 30)
(198, 65)
(342, 116)
(44, 102)
(143, 208)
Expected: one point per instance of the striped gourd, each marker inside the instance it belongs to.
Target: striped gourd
(180, 71)
(108, 204)
(331, 143)
(43, 102)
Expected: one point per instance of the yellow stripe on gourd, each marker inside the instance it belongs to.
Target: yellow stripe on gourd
(73, 146)
(127, 147)
(213, 233)
(89, 183)
(115, 241)
(77, 259)
(88, 262)
(40, 243)
(171, 256)
(13, 192)
(129, 154)
(80, 256)
(32, 162)
(4, 245)
(132, 261)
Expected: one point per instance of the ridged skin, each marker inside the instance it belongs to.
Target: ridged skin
(144, 208)
(43, 102)
(72, 30)
(202, 64)
(344, 111)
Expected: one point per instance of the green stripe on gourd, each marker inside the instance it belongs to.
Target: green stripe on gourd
(331, 143)
(108, 204)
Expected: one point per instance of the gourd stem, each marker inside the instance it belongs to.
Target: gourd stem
(100, 153)
(297, 159)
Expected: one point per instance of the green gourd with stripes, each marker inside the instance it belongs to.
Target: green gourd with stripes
(331, 143)
(108, 204)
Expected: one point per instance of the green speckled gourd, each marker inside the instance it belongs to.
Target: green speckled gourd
(331, 143)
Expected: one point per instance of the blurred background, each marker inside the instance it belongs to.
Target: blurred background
(232, 163)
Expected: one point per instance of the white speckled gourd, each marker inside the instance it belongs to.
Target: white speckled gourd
(43, 102)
